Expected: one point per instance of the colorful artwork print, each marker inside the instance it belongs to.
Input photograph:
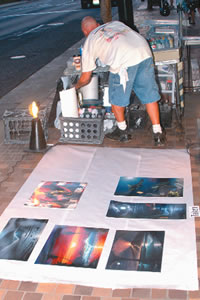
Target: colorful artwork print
(19, 237)
(73, 246)
(150, 187)
(146, 210)
(57, 194)
(136, 251)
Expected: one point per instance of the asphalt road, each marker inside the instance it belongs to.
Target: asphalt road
(33, 33)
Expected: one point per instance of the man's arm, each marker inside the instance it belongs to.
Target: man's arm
(83, 80)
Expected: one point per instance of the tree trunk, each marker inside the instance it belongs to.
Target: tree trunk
(106, 10)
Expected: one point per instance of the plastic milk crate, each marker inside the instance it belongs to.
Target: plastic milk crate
(17, 125)
(87, 129)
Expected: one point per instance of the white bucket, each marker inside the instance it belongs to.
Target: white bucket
(90, 91)
(69, 103)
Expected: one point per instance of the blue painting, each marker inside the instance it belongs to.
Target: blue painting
(136, 251)
(165, 211)
(149, 187)
(19, 237)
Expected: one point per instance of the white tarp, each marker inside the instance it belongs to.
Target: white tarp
(101, 168)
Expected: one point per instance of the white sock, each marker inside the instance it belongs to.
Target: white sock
(157, 128)
(122, 125)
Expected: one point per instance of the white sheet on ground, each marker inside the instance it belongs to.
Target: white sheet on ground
(101, 168)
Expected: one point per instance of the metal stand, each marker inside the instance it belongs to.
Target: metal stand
(189, 41)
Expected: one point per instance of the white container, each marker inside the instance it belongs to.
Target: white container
(106, 102)
(90, 91)
(69, 103)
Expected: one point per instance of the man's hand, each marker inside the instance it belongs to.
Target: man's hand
(84, 79)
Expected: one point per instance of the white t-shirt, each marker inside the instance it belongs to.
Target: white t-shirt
(115, 45)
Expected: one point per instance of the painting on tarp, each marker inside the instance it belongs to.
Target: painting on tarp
(19, 237)
(137, 251)
(150, 187)
(73, 246)
(167, 211)
(57, 194)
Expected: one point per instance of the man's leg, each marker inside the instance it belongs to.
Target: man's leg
(118, 112)
(119, 116)
(119, 99)
(120, 133)
(146, 89)
(154, 115)
(153, 112)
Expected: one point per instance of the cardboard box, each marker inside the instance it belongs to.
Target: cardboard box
(166, 55)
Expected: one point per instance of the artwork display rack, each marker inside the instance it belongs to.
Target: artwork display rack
(171, 59)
